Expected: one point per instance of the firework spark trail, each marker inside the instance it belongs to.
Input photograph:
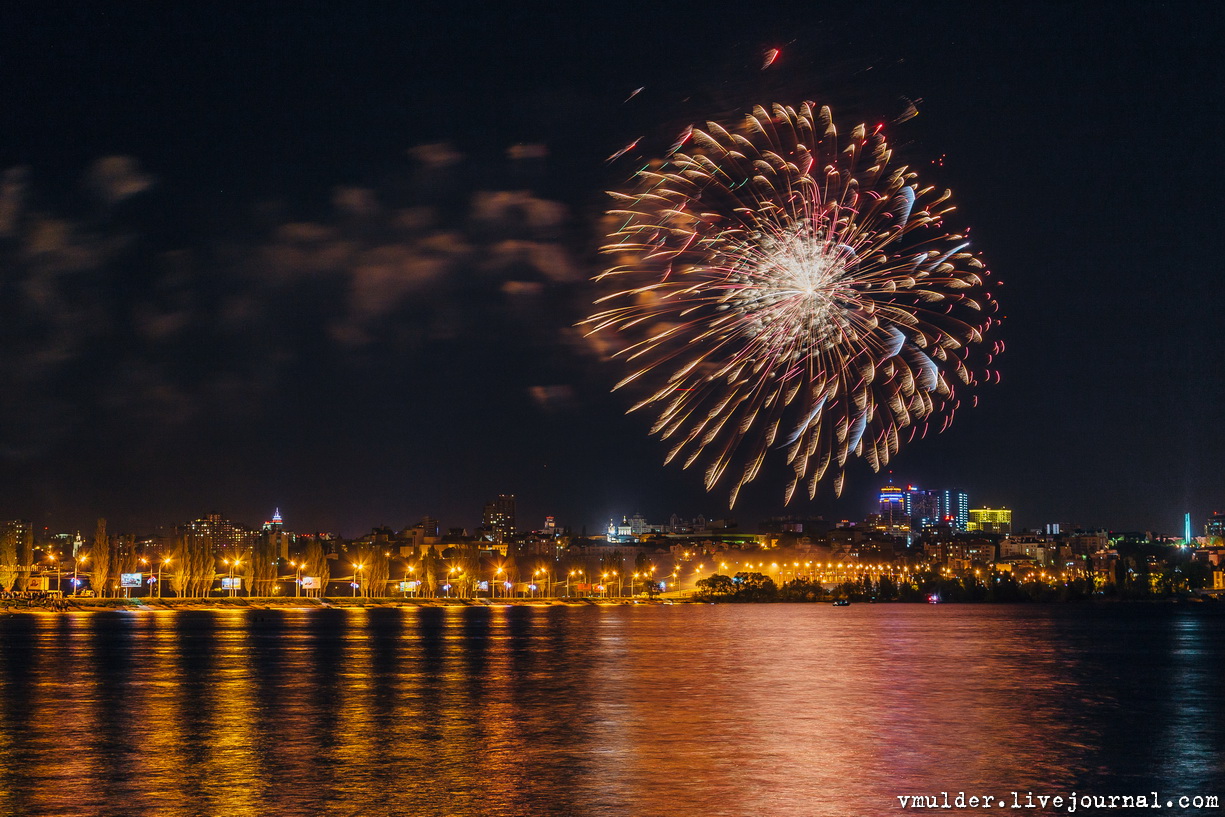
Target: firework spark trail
(782, 287)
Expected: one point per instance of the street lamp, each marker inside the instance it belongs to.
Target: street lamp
(357, 577)
(165, 561)
(297, 566)
(76, 584)
(51, 558)
(232, 564)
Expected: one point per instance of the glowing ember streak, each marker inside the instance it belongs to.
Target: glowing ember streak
(779, 287)
(624, 150)
(771, 57)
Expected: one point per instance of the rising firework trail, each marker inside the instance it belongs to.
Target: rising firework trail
(780, 287)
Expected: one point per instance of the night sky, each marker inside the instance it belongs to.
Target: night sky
(329, 256)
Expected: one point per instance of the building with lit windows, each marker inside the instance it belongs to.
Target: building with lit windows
(275, 535)
(1214, 529)
(499, 518)
(922, 507)
(990, 520)
(892, 507)
(222, 535)
(955, 509)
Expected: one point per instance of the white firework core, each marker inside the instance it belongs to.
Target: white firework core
(796, 277)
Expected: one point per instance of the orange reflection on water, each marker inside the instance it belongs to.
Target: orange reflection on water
(793, 710)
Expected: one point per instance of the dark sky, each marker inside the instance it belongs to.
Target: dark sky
(260, 255)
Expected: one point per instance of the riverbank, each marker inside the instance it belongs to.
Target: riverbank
(85, 605)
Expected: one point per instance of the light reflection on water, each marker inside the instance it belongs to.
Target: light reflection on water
(688, 709)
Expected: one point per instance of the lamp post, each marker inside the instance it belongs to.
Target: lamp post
(165, 561)
(144, 562)
(76, 585)
(297, 566)
(232, 563)
(51, 558)
(357, 578)
(497, 578)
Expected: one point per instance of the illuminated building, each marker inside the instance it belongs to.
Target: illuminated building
(922, 508)
(892, 507)
(275, 536)
(955, 509)
(990, 520)
(275, 523)
(221, 534)
(499, 518)
(1215, 527)
(17, 541)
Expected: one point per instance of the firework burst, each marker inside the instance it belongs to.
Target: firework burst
(777, 286)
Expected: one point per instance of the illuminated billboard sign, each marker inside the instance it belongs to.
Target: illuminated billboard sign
(310, 583)
(129, 580)
(408, 587)
(231, 582)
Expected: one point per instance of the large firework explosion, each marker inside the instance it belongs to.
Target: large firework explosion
(777, 286)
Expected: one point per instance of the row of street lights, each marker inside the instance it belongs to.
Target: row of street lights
(500, 583)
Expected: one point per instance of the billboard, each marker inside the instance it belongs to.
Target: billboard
(231, 583)
(129, 579)
(310, 583)
(408, 587)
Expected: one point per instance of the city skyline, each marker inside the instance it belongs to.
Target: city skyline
(913, 506)
(343, 275)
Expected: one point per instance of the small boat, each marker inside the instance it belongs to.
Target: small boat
(842, 603)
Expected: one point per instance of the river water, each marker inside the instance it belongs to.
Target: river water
(634, 710)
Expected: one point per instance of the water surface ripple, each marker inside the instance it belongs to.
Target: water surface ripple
(590, 712)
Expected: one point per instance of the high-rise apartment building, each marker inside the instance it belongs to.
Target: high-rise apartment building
(499, 518)
(1214, 528)
(892, 506)
(222, 535)
(922, 507)
(954, 509)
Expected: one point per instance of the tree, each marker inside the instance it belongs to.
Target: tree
(377, 570)
(755, 587)
(195, 566)
(716, 585)
(100, 560)
(261, 567)
(316, 565)
(9, 567)
(124, 559)
(429, 570)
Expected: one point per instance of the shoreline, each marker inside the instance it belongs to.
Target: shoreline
(140, 605)
(93, 605)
